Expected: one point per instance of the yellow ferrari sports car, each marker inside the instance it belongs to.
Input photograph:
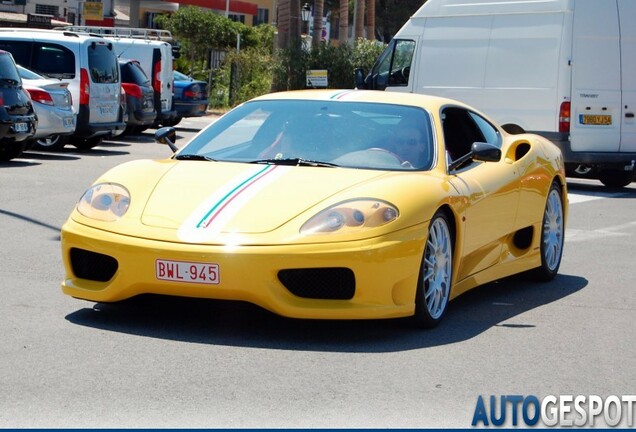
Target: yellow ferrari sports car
(325, 204)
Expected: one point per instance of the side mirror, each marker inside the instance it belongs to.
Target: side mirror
(486, 152)
(479, 151)
(167, 135)
(359, 75)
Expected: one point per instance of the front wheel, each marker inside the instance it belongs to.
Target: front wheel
(434, 282)
(552, 235)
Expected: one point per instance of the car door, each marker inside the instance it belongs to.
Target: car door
(490, 189)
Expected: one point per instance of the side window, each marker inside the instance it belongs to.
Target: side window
(53, 60)
(393, 67)
(460, 131)
(490, 133)
(102, 63)
(20, 50)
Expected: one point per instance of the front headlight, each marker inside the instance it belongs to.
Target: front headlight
(351, 216)
(105, 201)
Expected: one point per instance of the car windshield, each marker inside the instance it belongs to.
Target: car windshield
(29, 74)
(319, 133)
(131, 72)
(8, 71)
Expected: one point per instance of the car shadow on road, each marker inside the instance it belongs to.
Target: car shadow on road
(34, 154)
(600, 190)
(499, 304)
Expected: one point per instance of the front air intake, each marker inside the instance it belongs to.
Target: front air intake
(330, 283)
(92, 265)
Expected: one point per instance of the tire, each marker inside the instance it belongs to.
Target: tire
(131, 130)
(436, 274)
(552, 236)
(87, 143)
(11, 150)
(171, 122)
(616, 178)
(54, 143)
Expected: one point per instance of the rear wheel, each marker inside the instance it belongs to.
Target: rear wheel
(434, 282)
(616, 178)
(87, 143)
(54, 143)
(551, 235)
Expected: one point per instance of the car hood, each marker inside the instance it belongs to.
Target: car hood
(202, 200)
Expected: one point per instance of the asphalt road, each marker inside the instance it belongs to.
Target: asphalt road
(179, 363)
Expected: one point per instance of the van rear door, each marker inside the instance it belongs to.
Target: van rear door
(596, 108)
(627, 16)
(105, 83)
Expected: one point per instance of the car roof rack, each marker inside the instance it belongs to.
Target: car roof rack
(122, 32)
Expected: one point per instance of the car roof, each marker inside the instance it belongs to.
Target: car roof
(374, 96)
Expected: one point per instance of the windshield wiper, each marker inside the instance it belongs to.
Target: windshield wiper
(294, 162)
(194, 157)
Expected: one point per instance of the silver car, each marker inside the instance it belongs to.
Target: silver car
(53, 105)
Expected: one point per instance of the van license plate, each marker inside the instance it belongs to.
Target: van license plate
(21, 127)
(184, 271)
(599, 120)
(106, 109)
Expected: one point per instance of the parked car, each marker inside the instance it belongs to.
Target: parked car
(139, 96)
(153, 50)
(190, 98)
(87, 63)
(53, 105)
(343, 204)
(18, 121)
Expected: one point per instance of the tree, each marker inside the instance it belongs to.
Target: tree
(343, 30)
(371, 19)
(392, 14)
(359, 18)
(318, 13)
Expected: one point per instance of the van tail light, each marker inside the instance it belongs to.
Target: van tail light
(85, 87)
(40, 96)
(156, 83)
(564, 117)
(132, 90)
(1, 99)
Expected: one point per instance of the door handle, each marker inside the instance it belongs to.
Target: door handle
(629, 115)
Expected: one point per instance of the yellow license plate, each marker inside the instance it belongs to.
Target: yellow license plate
(595, 119)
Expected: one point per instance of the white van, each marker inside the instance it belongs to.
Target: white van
(87, 64)
(152, 49)
(564, 69)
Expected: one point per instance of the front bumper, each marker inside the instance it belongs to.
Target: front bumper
(385, 272)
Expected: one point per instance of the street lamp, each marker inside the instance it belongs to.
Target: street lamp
(305, 13)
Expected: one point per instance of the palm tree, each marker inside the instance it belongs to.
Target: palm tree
(371, 19)
(318, 11)
(359, 18)
(343, 30)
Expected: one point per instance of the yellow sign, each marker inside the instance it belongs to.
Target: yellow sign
(93, 10)
(316, 78)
